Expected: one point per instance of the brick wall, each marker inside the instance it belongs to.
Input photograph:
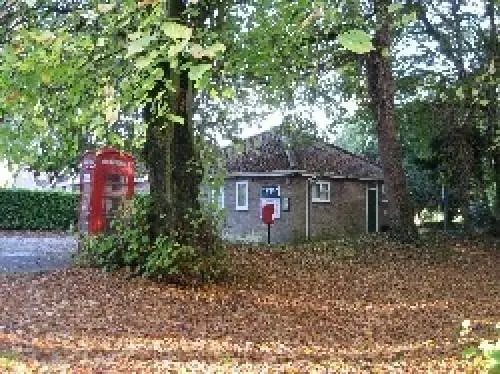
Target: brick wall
(247, 225)
(344, 214)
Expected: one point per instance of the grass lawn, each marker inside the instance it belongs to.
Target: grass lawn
(283, 311)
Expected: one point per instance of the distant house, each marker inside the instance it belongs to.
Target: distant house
(5, 175)
(319, 190)
(72, 184)
(69, 184)
(26, 179)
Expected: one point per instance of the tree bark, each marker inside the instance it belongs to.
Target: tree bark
(158, 157)
(187, 171)
(159, 148)
(381, 90)
(170, 151)
(492, 114)
(461, 140)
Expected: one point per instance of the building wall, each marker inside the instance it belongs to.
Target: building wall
(344, 214)
(247, 226)
(5, 175)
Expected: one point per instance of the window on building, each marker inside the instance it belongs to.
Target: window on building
(321, 192)
(212, 196)
(220, 198)
(242, 195)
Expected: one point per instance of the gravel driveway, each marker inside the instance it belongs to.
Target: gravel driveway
(29, 252)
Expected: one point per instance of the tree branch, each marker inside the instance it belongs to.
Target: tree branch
(444, 42)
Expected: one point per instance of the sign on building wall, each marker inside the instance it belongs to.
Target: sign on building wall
(271, 195)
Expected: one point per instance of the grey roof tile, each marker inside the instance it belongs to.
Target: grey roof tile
(272, 152)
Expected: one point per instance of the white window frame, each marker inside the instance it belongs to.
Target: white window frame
(382, 194)
(319, 199)
(242, 207)
(221, 197)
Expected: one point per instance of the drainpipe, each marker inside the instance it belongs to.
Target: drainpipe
(309, 183)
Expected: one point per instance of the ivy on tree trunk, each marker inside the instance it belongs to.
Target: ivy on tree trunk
(170, 150)
(186, 170)
(158, 156)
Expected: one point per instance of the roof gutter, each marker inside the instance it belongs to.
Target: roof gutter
(336, 176)
(277, 173)
(371, 179)
(287, 173)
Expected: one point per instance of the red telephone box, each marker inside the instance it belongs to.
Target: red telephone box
(106, 179)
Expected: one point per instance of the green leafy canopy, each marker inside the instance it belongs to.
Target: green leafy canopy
(65, 88)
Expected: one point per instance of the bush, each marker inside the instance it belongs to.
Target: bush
(486, 356)
(37, 210)
(194, 253)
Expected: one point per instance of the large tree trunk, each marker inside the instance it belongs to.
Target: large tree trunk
(158, 157)
(461, 158)
(170, 151)
(381, 89)
(492, 115)
(187, 171)
(159, 146)
(496, 207)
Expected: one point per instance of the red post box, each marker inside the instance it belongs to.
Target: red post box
(268, 218)
(106, 180)
(268, 214)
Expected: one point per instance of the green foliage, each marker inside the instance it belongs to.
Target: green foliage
(129, 245)
(37, 210)
(357, 41)
(486, 356)
(8, 360)
(106, 58)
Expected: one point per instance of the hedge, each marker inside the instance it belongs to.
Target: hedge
(37, 210)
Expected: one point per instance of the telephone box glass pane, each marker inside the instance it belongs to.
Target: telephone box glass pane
(111, 205)
(115, 183)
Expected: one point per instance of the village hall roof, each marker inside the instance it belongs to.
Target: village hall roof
(270, 152)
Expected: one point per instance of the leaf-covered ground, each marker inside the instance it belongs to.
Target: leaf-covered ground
(283, 311)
